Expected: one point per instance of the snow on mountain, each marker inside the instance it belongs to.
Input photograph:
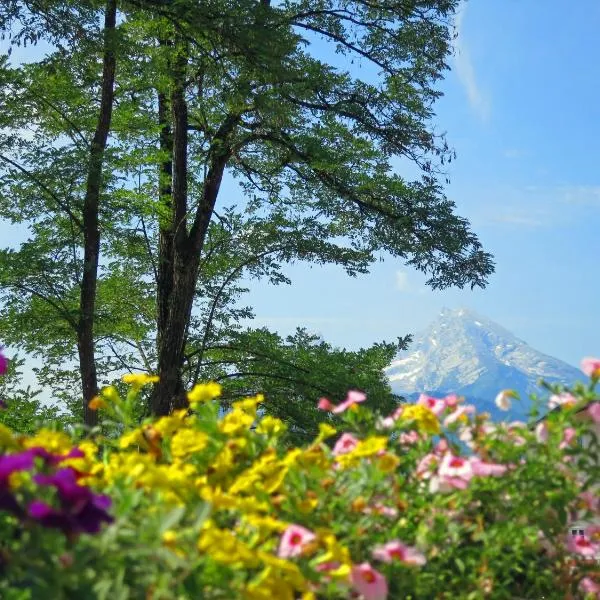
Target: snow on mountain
(468, 354)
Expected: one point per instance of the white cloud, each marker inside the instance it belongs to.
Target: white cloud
(402, 282)
(586, 195)
(465, 70)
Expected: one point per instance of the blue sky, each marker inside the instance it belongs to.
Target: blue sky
(521, 109)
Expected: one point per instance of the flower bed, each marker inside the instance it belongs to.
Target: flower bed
(433, 501)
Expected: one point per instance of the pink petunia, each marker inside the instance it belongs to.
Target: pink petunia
(593, 411)
(293, 540)
(485, 469)
(583, 546)
(3, 363)
(396, 550)
(353, 397)
(455, 466)
(452, 400)
(590, 501)
(458, 413)
(589, 587)
(325, 404)
(408, 438)
(368, 582)
(591, 367)
(435, 405)
(345, 444)
(541, 432)
(564, 399)
(569, 436)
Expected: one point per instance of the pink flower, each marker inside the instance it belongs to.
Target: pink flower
(396, 550)
(461, 411)
(591, 367)
(435, 405)
(484, 469)
(325, 404)
(452, 400)
(409, 438)
(590, 501)
(569, 437)
(564, 399)
(541, 432)
(589, 587)
(455, 466)
(345, 444)
(582, 545)
(381, 509)
(426, 465)
(293, 540)
(3, 363)
(368, 582)
(353, 397)
(503, 399)
(593, 412)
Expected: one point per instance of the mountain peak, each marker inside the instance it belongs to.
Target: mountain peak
(466, 353)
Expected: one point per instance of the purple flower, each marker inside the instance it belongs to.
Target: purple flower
(9, 464)
(2, 404)
(3, 363)
(81, 509)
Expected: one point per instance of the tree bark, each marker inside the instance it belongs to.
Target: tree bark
(91, 232)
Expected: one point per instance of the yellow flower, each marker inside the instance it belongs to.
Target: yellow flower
(188, 441)
(110, 393)
(235, 422)
(425, 419)
(224, 547)
(307, 505)
(370, 446)
(96, 403)
(202, 392)
(326, 431)
(169, 538)
(166, 426)
(139, 380)
(86, 463)
(387, 463)
(56, 442)
(271, 426)
(7, 439)
(265, 523)
(132, 438)
(268, 586)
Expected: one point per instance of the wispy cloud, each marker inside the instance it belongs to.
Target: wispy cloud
(465, 70)
(406, 285)
(584, 195)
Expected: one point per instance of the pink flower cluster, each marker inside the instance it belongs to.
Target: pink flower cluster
(367, 581)
(353, 397)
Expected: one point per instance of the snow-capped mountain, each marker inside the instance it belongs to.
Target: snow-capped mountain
(468, 354)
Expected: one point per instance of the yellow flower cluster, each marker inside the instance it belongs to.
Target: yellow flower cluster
(425, 419)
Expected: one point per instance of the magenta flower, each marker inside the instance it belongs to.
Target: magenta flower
(396, 550)
(81, 509)
(293, 540)
(9, 464)
(345, 444)
(325, 404)
(591, 367)
(435, 405)
(3, 363)
(368, 582)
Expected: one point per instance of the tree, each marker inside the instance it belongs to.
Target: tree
(243, 91)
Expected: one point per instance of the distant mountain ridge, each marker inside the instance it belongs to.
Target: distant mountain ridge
(468, 354)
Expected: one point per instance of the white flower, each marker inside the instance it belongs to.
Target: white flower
(503, 399)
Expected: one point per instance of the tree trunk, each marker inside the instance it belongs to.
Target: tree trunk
(179, 251)
(91, 232)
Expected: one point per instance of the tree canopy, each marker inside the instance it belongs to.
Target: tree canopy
(313, 107)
